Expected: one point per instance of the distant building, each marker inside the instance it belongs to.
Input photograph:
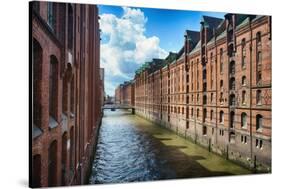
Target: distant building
(65, 91)
(125, 94)
(216, 90)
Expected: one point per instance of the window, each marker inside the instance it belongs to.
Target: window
(221, 117)
(258, 122)
(204, 131)
(258, 38)
(36, 171)
(244, 120)
(211, 115)
(258, 97)
(198, 98)
(182, 110)
(51, 19)
(243, 47)
(243, 80)
(232, 67)
(37, 61)
(221, 97)
(52, 164)
(232, 114)
(204, 114)
(205, 99)
(259, 58)
(259, 143)
(212, 96)
(221, 84)
(221, 60)
(187, 125)
(232, 84)
(243, 97)
(53, 76)
(192, 112)
(197, 113)
(259, 76)
(232, 100)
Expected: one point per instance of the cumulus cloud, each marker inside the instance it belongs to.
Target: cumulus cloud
(126, 46)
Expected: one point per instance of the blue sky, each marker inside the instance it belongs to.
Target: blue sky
(131, 36)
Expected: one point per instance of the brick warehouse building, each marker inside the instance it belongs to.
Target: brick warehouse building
(125, 93)
(66, 91)
(216, 90)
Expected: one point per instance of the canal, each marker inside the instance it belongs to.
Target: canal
(132, 149)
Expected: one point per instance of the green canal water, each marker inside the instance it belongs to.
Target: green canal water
(133, 149)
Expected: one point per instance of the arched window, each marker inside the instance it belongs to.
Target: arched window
(36, 171)
(243, 80)
(243, 97)
(258, 97)
(192, 112)
(53, 85)
(52, 164)
(37, 53)
(221, 117)
(197, 113)
(258, 122)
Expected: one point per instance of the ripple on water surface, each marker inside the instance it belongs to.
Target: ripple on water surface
(132, 149)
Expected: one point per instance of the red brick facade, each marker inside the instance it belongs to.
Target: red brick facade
(125, 94)
(66, 91)
(216, 90)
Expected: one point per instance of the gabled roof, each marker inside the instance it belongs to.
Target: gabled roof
(194, 36)
(211, 22)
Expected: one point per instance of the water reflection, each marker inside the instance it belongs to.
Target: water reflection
(132, 149)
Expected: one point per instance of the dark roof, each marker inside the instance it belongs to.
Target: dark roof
(211, 22)
(170, 58)
(180, 52)
(194, 36)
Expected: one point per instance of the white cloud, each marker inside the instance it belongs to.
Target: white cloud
(126, 46)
